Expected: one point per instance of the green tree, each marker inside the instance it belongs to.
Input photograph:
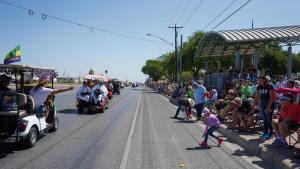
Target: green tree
(153, 68)
(187, 75)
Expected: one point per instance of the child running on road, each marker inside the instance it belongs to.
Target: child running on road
(212, 124)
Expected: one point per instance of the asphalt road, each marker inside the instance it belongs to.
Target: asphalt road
(136, 132)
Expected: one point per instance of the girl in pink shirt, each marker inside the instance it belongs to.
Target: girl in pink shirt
(212, 124)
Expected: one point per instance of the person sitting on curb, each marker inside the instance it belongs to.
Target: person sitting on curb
(235, 113)
(212, 124)
(246, 112)
(224, 106)
(287, 119)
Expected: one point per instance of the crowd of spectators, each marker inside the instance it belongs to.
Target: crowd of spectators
(245, 104)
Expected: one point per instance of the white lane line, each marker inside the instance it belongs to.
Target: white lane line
(129, 139)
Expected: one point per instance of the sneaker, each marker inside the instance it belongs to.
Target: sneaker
(203, 144)
(275, 142)
(268, 136)
(263, 135)
(281, 144)
(220, 141)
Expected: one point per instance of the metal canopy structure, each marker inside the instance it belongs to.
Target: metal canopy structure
(245, 40)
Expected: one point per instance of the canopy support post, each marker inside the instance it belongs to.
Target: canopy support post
(290, 60)
(237, 59)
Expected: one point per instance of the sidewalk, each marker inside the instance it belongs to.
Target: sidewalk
(250, 141)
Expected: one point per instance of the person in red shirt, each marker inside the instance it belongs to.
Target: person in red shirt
(287, 119)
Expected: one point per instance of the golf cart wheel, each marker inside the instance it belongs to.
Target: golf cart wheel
(107, 106)
(80, 110)
(55, 125)
(32, 137)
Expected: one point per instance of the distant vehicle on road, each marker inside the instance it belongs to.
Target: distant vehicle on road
(116, 86)
(122, 85)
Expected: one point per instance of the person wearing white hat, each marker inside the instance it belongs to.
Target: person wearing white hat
(212, 124)
(287, 119)
(187, 103)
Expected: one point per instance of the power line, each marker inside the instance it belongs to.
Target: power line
(231, 15)
(221, 13)
(173, 17)
(91, 28)
(194, 12)
(182, 12)
(176, 12)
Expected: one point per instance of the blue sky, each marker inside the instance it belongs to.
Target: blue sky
(74, 50)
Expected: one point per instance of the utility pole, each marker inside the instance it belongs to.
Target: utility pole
(176, 56)
(180, 60)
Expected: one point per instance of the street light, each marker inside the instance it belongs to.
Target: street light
(166, 41)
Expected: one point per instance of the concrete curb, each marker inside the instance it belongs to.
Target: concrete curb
(274, 158)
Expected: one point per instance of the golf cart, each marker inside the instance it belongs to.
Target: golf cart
(89, 105)
(19, 121)
(116, 86)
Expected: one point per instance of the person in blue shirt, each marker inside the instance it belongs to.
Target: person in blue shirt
(199, 96)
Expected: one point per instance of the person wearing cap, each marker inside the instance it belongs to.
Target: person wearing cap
(287, 119)
(40, 93)
(265, 97)
(212, 124)
(199, 96)
(4, 83)
(84, 92)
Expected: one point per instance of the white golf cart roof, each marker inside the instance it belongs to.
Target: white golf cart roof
(23, 67)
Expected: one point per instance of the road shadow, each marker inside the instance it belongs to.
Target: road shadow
(185, 121)
(74, 111)
(200, 148)
(68, 111)
(10, 148)
(149, 92)
(177, 118)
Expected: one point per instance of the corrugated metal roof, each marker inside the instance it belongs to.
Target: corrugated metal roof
(222, 42)
(259, 33)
